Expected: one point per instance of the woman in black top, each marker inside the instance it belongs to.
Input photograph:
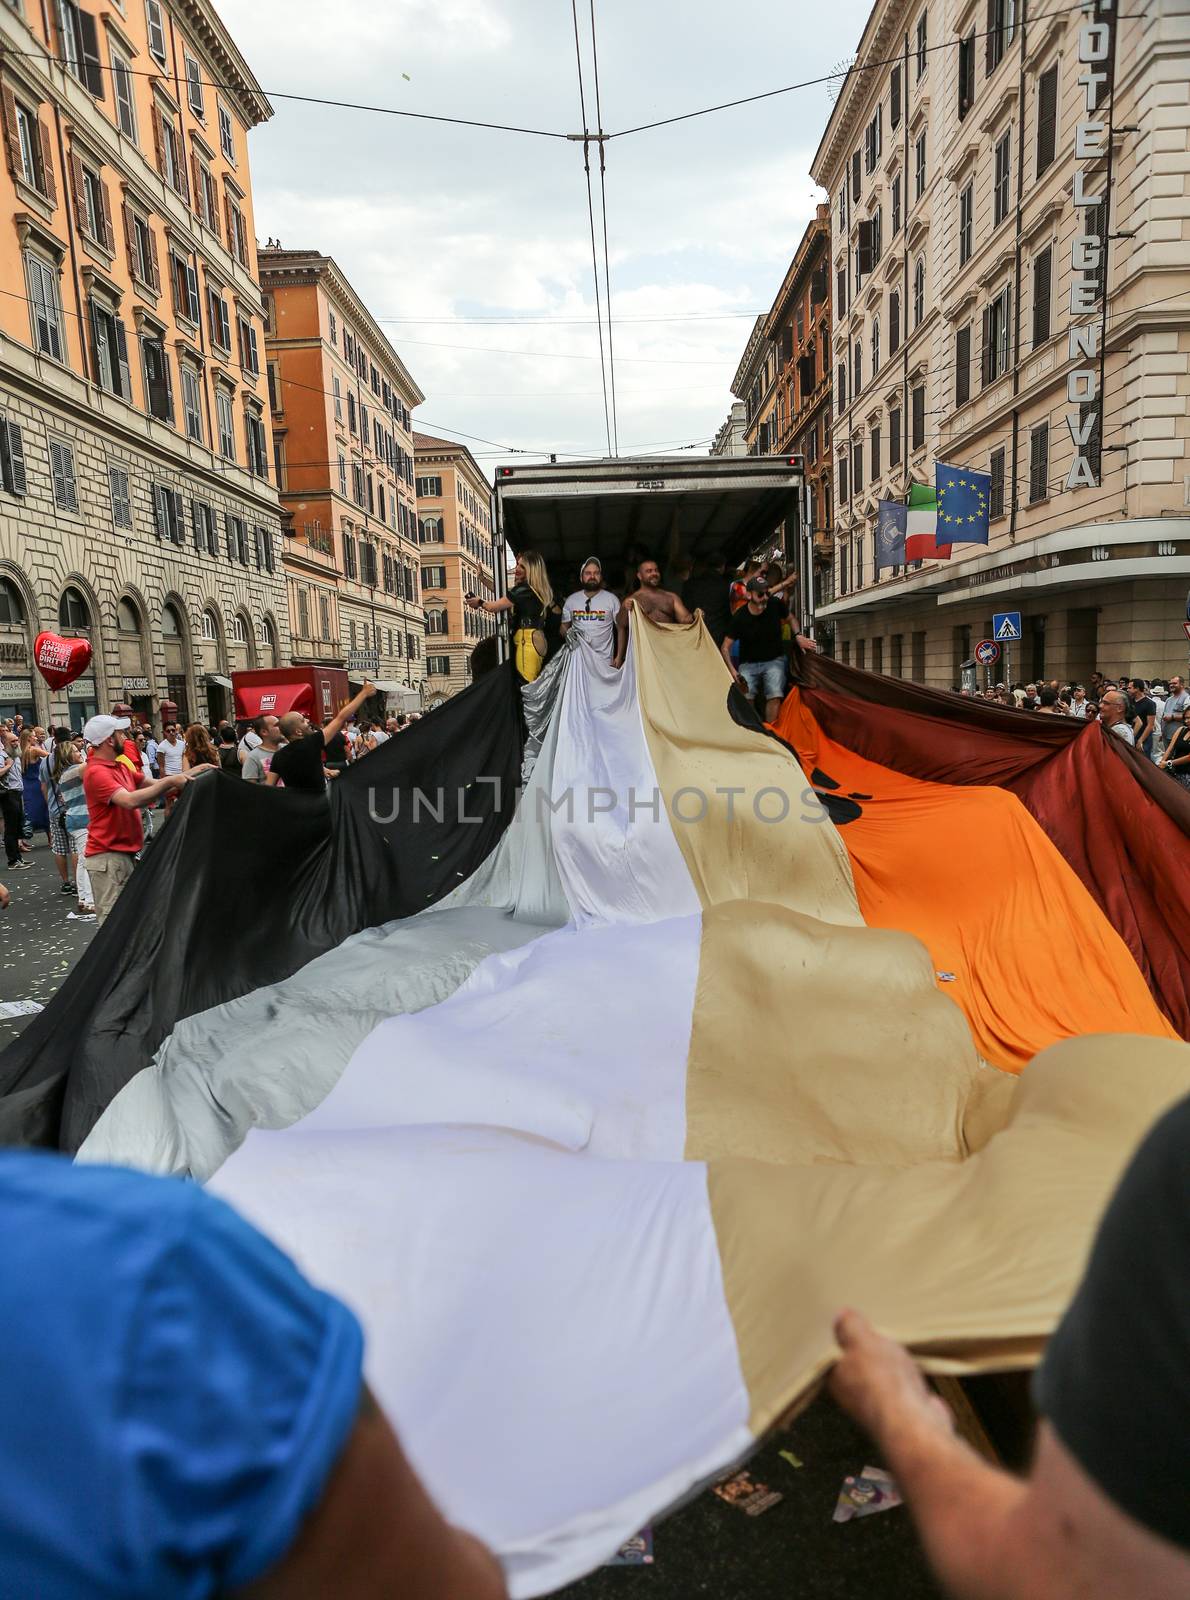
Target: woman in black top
(1176, 759)
(531, 601)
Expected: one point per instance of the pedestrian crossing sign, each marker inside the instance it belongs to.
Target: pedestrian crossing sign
(1006, 625)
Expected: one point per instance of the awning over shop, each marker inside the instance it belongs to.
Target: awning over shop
(388, 685)
(215, 677)
(273, 699)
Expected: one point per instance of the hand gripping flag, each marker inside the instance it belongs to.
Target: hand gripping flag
(964, 499)
(890, 534)
(921, 527)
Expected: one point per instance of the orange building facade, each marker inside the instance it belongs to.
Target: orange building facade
(136, 501)
(457, 556)
(341, 401)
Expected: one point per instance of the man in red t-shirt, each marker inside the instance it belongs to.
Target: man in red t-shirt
(115, 796)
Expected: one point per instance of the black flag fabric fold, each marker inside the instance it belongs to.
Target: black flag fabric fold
(247, 884)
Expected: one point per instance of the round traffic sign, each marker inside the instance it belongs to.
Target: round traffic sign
(987, 651)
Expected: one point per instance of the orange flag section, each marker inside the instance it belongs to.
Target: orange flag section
(1018, 941)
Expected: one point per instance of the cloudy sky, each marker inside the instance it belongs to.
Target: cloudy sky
(438, 226)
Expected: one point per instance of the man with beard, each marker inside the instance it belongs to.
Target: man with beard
(658, 604)
(592, 611)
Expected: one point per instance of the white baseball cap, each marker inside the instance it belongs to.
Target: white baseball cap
(102, 727)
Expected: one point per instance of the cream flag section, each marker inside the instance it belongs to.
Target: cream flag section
(597, 1190)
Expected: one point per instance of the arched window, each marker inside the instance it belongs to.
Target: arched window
(171, 623)
(210, 628)
(432, 530)
(73, 611)
(127, 617)
(435, 621)
(268, 634)
(919, 291)
(12, 611)
(239, 629)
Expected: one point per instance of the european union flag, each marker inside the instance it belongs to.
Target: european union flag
(964, 504)
(890, 534)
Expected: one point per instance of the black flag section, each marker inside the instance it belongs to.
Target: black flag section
(247, 884)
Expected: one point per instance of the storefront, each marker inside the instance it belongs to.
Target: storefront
(82, 699)
(16, 698)
(177, 677)
(134, 692)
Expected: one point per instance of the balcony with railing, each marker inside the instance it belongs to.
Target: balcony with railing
(311, 544)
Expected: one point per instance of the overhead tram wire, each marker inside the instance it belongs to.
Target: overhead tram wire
(607, 271)
(586, 140)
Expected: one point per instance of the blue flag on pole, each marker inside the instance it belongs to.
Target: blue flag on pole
(890, 534)
(964, 504)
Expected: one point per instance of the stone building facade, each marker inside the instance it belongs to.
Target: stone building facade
(342, 402)
(136, 505)
(1009, 253)
(798, 330)
(457, 559)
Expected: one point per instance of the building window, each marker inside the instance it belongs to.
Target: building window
(185, 286)
(62, 469)
(894, 322)
(28, 142)
(142, 250)
(237, 231)
(919, 166)
(227, 427)
(73, 611)
(857, 465)
(79, 38)
(303, 629)
(202, 519)
(324, 614)
(874, 452)
(857, 368)
(919, 291)
(1043, 264)
(894, 98)
(436, 621)
(121, 497)
(352, 424)
(239, 630)
(1039, 462)
(430, 488)
(125, 100)
(1047, 118)
(894, 437)
(237, 538)
(159, 397)
(841, 386)
(843, 494)
(170, 160)
(258, 464)
(438, 666)
(227, 138)
(249, 354)
(207, 197)
(996, 490)
(918, 398)
(342, 474)
(194, 87)
(274, 388)
(966, 74)
(333, 327)
(338, 393)
(110, 347)
(875, 346)
(962, 365)
(966, 223)
(873, 140)
(922, 43)
(192, 402)
(1001, 17)
(156, 30)
(1003, 171)
(94, 214)
(219, 319)
(45, 308)
(997, 334)
(350, 566)
(896, 206)
(167, 513)
(433, 578)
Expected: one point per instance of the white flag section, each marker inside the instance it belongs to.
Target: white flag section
(598, 1147)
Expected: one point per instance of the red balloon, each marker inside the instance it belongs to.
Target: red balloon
(60, 661)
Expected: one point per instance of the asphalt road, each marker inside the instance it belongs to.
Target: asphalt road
(39, 943)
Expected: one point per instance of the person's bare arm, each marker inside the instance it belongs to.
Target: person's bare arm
(725, 652)
(988, 1535)
(681, 611)
(622, 633)
(271, 779)
(377, 1535)
(339, 721)
(135, 799)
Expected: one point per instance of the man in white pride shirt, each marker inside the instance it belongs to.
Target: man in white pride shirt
(592, 610)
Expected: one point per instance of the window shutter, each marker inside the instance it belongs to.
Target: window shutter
(154, 263)
(985, 349)
(14, 446)
(867, 248)
(158, 139)
(78, 192)
(92, 62)
(962, 366)
(109, 232)
(12, 137)
(919, 417)
(196, 526)
(195, 185)
(990, 38)
(229, 524)
(180, 169)
(1042, 275)
(1047, 118)
(894, 97)
(231, 233)
(129, 245)
(47, 164)
(855, 176)
(175, 519)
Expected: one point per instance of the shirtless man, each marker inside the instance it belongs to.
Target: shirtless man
(658, 604)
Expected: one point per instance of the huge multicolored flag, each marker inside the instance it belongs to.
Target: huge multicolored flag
(921, 527)
(963, 504)
(601, 1113)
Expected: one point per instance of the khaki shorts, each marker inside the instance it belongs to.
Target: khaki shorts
(108, 873)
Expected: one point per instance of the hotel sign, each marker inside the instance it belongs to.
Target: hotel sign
(1091, 143)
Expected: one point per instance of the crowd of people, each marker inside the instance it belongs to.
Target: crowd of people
(94, 792)
(1154, 717)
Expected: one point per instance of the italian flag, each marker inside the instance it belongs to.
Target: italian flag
(921, 526)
